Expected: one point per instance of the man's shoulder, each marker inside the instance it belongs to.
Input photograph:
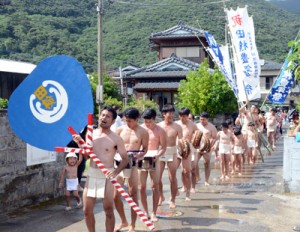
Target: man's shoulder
(121, 128)
(211, 125)
(177, 125)
(160, 123)
(199, 125)
(142, 129)
(193, 124)
(158, 127)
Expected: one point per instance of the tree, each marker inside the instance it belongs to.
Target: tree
(112, 101)
(294, 57)
(110, 90)
(206, 90)
(3, 103)
(141, 104)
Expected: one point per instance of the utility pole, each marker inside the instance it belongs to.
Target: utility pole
(99, 94)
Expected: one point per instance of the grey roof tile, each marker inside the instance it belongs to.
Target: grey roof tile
(164, 74)
(174, 32)
(157, 69)
(271, 65)
(157, 85)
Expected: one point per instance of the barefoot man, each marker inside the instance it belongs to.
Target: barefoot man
(136, 140)
(271, 123)
(210, 132)
(250, 116)
(105, 145)
(173, 131)
(156, 148)
(188, 129)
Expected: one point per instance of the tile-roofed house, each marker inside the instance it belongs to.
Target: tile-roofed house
(159, 81)
(157, 85)
(183, 40)
(269, 72)
(178, 31)
(267, 65)
(180, 49)
(173, 65)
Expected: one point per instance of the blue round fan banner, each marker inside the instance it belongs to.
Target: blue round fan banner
(57, 94)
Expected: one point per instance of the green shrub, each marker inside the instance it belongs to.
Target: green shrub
(3, 103)
(112, 101)
(141, 104)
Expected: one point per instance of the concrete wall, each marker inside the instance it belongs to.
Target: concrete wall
(291, 165)
(22, 185)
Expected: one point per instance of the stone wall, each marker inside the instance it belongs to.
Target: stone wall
(22, 185)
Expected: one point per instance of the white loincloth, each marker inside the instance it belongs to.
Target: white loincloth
(251, 143)
(72, 184)
(224, 148)
(151, 153)
(96, 181)
(271, 128)
(238, 150)
(169, 154)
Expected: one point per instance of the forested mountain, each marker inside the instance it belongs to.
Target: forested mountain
(290, 5)
(31, 30)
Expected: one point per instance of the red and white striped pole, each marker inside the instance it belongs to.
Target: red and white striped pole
(86, 149)
(70, 149)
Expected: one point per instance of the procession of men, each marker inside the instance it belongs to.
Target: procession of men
(171, 146)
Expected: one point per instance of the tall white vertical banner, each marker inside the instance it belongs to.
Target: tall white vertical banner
(246, 59)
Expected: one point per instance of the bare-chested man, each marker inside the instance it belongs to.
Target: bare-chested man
(173, 131)
(210, 132)
(188, 129)
(105, 145)
(156, 148)
(250, 116)
(136, 140)
(271, 123)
